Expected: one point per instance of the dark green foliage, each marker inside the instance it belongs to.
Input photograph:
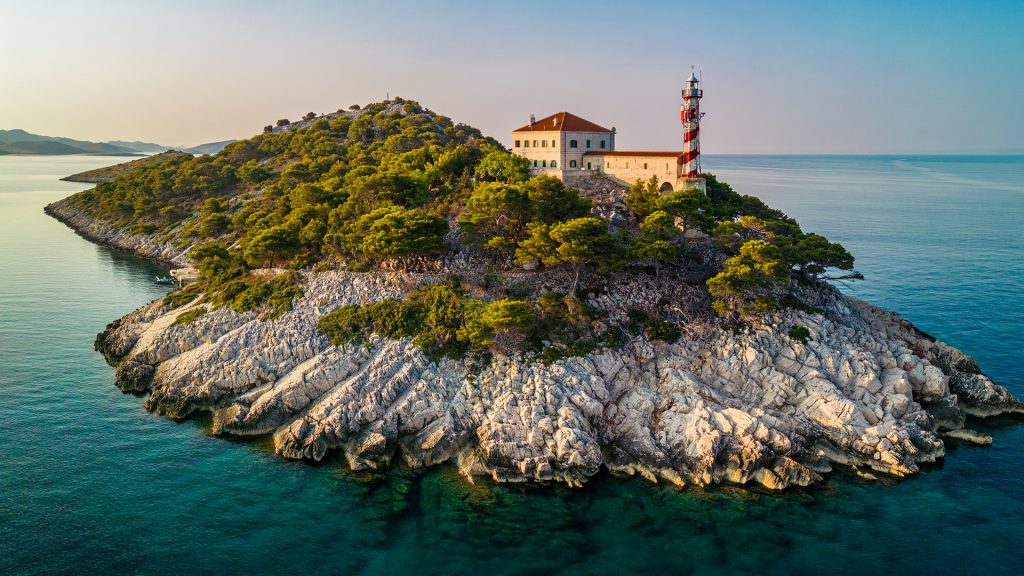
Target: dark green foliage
(252, 297)
(750, 282)
(382, 184)
(813, 255)
(790, 301)
(662, 330)
(655, 245)
(551, 201)
(393, 231)
(346, 324)
(497, 164)
(179, 298)
(487, 322)
(445, 322)
(800, 333)
(498, 216)
(215, 224)
(690, 207)
(189, 316)
(642, 198)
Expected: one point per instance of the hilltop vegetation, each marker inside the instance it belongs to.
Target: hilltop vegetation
(395, 185)
(109, 173)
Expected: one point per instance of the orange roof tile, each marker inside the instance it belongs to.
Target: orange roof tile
(562, 122)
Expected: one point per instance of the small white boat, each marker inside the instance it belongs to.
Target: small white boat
(166, 281)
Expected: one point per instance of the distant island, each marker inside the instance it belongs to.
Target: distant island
(394, 286)
(21, 142)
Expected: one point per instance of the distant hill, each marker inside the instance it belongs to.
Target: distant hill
(22, 142)
(144, 147)
(110, 172)
(54, 148)
(210, 148)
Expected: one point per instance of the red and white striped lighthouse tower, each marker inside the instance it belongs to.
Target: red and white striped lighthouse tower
(689, 114)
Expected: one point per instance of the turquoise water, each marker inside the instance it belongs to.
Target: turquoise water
(92, 484)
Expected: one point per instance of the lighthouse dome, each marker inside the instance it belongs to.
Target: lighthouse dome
(692, 78)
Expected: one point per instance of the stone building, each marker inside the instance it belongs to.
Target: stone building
(570, 148)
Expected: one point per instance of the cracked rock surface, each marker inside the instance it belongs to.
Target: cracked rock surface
(867, 390)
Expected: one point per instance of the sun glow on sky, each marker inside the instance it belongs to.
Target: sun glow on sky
(780, 77)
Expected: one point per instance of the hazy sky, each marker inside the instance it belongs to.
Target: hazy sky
(779, 77)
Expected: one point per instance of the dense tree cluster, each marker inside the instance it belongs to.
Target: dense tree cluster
(395, 182)
(444, 320)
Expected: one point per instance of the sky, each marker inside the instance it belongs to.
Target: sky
(836, 77)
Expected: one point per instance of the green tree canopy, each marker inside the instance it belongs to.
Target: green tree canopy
(494, 210)
(552, 201)
(690, 206)
(642, 198)
(496, 164)
(272, 245)
(394, 231)
(750, 281)
(583, 241)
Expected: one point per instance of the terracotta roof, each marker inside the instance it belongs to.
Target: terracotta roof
(560, 122)
(620, 153)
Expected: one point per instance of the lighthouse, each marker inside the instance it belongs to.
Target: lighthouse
(689, 114)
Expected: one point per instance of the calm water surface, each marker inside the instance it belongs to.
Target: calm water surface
(92, 484)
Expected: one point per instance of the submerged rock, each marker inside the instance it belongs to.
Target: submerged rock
(867, 390)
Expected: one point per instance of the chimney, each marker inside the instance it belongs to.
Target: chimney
(533, 119)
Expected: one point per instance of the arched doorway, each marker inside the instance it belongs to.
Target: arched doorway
(666, 188)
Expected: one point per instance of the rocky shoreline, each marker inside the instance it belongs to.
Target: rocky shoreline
(95, 230)
(867, 391)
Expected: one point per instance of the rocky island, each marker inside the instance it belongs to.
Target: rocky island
(391, 285)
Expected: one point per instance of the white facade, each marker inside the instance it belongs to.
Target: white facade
(568, 147)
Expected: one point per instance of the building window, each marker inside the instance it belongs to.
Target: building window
(534, 163)
(645, 165)
(573, 144)
(517, 143)
(588, 144)
(666, 166)
(627, 165)
(588, 166)
(526, 144)
(572, 163)
(602, 144)
(608, 164)
(553, 144)
(543, 143)
(554, 164)
(543, 163)
(534, 143)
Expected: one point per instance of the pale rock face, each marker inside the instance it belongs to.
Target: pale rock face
(716, 407)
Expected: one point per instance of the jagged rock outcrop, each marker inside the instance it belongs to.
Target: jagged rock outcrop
(867, 390)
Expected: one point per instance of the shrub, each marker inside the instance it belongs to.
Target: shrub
(800, 333)
(179, 298)
(189, 316)
(253, 296)
(662, 330)
(346, 324)
(790, 301)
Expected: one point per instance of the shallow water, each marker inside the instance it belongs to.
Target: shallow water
(90, 483)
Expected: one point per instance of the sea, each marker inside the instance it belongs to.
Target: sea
(91, 483)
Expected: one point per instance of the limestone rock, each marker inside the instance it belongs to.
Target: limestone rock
(867, 391)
